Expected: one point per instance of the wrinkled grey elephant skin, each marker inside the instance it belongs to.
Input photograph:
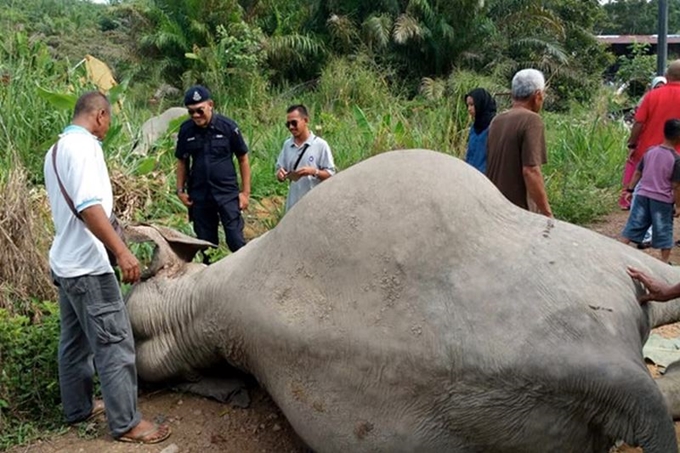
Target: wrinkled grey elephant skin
(405, 305)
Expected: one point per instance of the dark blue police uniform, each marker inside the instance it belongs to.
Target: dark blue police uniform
(212, 183)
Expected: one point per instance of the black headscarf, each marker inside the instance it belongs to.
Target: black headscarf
(485, 108)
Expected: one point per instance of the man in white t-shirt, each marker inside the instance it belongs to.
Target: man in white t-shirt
(305, 159)
(95, 328)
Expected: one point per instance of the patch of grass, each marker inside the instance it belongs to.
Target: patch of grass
(585, 161)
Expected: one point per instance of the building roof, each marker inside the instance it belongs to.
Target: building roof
(630, 39)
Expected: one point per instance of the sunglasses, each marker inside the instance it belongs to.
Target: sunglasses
(293, 123)
(199, 111)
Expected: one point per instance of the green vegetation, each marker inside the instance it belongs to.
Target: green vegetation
(376, 76)
(637, 17)
(28, 386)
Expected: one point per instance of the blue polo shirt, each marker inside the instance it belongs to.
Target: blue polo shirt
(209, 152)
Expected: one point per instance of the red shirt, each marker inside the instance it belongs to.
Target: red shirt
(658, 106)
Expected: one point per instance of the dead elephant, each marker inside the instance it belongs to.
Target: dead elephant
(404, 305)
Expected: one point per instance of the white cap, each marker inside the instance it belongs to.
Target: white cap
(658, 80)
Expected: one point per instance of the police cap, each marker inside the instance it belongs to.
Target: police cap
(196, 94)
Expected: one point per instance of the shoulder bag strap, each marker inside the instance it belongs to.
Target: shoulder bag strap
(69, 202)
(297, 162)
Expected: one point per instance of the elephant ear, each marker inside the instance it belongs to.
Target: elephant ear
(186, 247)
(173, 249)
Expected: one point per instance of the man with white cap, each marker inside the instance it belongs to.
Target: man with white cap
(658, 81)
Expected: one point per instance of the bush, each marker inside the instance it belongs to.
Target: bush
(29, 389)
(637, 69)
(585, 159)
(345, 83)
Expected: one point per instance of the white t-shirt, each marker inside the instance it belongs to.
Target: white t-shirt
(316, 154)
(82, 170)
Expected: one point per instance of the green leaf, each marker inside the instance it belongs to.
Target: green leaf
(112, 134)
(117, 92)
(363, 123)
(145, 166)
(387, 121)
(62, 101)
(191, 56)
(399, 130)
(176, 123)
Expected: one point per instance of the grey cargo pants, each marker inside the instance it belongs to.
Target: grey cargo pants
(96, 332)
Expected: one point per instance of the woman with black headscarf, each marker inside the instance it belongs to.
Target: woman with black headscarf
(482, 108)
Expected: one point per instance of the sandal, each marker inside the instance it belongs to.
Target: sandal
(98, 409)
(155, 435)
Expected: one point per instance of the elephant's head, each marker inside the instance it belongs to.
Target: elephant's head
(161, 305)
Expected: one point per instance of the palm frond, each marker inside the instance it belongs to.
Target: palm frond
(377, 30)
(421, 8)
(342, 30)
(297, 48)
(432, 89)
(446, 30)
(407, 28)
(199, 28)
(551, 49)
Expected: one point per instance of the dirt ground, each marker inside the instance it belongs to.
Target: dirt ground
(202, 425)
(199, 425)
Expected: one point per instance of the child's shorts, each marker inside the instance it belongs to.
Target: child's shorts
(645, 212)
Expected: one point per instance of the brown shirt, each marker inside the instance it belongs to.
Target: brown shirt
(516, 140)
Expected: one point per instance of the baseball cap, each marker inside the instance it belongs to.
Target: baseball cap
(658, 80)
(196, 94)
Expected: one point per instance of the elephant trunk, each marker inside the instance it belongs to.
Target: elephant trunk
(164, 314)
(663, 313)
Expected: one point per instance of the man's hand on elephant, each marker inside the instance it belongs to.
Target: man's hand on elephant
(655, 289)
(243, 200)
(129, 266)
(184, 198)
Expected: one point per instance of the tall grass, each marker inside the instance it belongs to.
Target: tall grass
(24, 237)
(586, 157)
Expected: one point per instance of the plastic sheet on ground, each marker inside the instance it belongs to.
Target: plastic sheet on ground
(661, 351)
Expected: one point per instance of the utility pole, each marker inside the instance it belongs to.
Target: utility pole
(662, 38)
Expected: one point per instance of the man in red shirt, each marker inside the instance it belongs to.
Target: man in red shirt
(658, 106)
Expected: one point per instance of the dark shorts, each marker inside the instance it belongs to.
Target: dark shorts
(645, 212)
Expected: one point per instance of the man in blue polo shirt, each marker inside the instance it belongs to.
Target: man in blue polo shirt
(305, 159)
(206, 176)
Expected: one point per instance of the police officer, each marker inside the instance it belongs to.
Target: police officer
(206, 176)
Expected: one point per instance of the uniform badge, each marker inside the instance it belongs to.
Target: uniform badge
(197, 96)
